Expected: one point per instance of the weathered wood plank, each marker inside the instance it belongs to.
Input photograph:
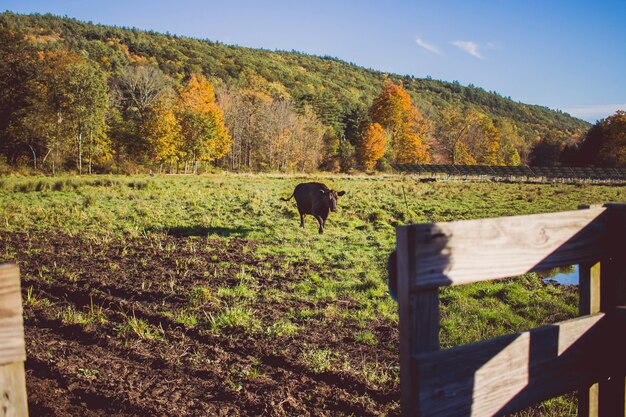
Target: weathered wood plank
(11, 324)
(589, 303)
(12, 351)
(512, 372)
(477, 250)
(405, 246)
(419, 318)
(13, 401)
(589, 288)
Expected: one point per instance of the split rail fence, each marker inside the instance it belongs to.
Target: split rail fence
(518, 172)
(12, 348)
(512, 372)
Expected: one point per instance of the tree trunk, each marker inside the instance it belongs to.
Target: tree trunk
(34, 156)
(80, 152)
(90, 148)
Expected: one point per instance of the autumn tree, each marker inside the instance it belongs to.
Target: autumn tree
(403, 124)
(411, 147)
(17, 70)
(547, 148)
(511, 143)
(163, 132)
(613, 149)
(468, 138)
(482, 138)
(308, 141)
(37, 121)
(134, 90)
(65, 106)
(270, 133)
(391, 108)
(448, 135)
(372, 146)
(85, 104)
(205, 137)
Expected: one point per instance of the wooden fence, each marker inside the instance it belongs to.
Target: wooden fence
(512, 372)
(518, 172)
(12, 349)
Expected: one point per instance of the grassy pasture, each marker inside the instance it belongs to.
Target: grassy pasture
(161, 265)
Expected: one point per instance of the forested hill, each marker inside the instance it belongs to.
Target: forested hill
(338, 92)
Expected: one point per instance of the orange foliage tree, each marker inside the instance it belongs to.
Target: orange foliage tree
(404, 124)
(372, 146)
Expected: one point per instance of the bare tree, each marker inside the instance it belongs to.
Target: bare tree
(139, 86)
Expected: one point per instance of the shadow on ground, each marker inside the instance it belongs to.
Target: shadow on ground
(205, 231)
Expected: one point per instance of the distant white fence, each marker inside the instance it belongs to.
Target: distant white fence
(495, 171)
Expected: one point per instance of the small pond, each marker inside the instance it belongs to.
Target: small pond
(562, 276)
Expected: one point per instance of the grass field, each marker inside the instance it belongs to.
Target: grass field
(200, 295)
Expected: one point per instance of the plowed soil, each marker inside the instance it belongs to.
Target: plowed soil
(101, 367)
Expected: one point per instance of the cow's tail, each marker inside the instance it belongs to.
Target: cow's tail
(288, 198)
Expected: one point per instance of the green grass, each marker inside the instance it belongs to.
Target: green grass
(320, 360)
(91, 315)
(350, 256)
(141, 329)
(233, 318)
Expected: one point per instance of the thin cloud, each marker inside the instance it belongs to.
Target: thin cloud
(427, 46)
(594, 113)
(469, 47)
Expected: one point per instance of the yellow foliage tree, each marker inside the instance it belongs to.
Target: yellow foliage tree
(470, 138)
(372, 146)
(163, 132)
(205, 136)
(488, 141)
(410, 144)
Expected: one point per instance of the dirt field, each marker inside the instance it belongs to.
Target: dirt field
(104, 334)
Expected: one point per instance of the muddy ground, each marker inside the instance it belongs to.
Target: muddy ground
(100, 367)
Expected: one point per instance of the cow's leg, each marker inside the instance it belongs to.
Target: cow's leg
(301, 219)
(321, 221)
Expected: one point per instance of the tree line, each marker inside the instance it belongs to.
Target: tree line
(65, 104)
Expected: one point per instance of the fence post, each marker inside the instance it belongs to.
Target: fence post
(602, 287)
(418, 314)
(612, 393)
(589, 303)
(12, 351)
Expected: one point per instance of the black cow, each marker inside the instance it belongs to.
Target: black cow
(316, 199)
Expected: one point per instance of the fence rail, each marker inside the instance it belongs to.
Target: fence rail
(12, 347)
(511, 372)
(494, 171)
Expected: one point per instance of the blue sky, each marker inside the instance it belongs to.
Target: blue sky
(567, 55)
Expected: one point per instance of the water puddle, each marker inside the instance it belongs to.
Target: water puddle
(561, 276)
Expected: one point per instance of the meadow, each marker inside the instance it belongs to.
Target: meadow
(200, 295)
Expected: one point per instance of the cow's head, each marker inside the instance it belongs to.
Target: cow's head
(331, 196)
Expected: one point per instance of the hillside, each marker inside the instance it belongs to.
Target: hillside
(337, 91)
